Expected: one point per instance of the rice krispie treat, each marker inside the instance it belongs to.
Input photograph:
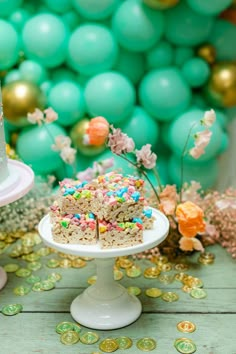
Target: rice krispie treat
(147, 218)
(73, 228)
(119, 235)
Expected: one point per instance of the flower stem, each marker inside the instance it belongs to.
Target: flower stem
(144, 173)
(182, 159)
(157, 178)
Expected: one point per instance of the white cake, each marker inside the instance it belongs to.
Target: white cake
(4, 173)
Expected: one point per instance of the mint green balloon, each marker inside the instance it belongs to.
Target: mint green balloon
(32, 71)
(136, 26)
(221, 118)
(95, 9)
(63, 74)
(222, 37)
(164, 93)
(187, 27)
(182, 54)
(161, 55)
(18, 18)
(209, 7)
(205, 172)
(71, 19)
(8, 6)
(9, 45)
(13, 75)
(45, 39)
(140, 119)
(179, 130)
(130, 64)
(67, 99)
(224, 143)
(46, 87)
(34, 146)
(196, 72)
(59, 6)
(110, 95)
(92, 49)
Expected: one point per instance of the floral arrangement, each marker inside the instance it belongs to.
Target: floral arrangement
(197, 218)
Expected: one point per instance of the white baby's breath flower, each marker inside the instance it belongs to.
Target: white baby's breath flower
(68, 155)
(61, 141)
(36, 117)
(51, 115)
(209, 118)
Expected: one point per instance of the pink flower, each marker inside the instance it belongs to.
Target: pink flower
(86, 175)
(36, 117)
(51, 115)
(68, 155)
(61, 142)
(119, 142)
(191, 192)
(168, 198)
(99, 168)
(209, 118)
(202, 139)
(190, 244)
(146, 157)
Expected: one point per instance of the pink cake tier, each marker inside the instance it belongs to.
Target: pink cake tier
(120, 234)
(73, 228)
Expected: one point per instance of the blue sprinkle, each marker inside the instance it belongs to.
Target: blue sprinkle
(91, 216)
(135, 196)
(147, 213)
(77, 216)
(69, 191)
(110, 193)
(121, 191)
(138, 220)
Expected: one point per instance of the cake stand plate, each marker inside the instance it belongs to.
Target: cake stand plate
(106, 305)
(19, 182)
(16, 185)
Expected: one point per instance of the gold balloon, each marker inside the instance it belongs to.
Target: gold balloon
(161, 4)
(77, 133)
(221, 87)
(20, 98)
(207, 52)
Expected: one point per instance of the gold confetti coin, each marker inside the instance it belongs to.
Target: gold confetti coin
(180, 276)
(43, 251)
(12, 309)
(89, 338)
(34, 266)
(186, 326)
(21, 290)
(151, 272)
(185, 346)
(65, 263)
(153, 292)
(186, 289)
(54, 277)
(78, 263)
(92, 280)
(47, 285)
(205, 261)
(146, 344)
(198, 293)
(166, 278)
(2, 244)
(77, 328)
(193, 282)
(170, 296)
(23, 272)
(134, 290)
(133, 272)
(11, 267)
(124, 342)
(118, 274)
(27, 242)
(162, 259)
(32, 257)
(166, 267)
(181, 267)
(64, 327)
(53, 263)
(32, 279)
(207, 255)
(108, 345)
(69, 337)
(37, 287)
(125, 263)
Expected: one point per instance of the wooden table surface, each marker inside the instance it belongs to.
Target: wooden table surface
(33, 330)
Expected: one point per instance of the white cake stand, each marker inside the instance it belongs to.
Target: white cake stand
(106, 304)
(18, 183)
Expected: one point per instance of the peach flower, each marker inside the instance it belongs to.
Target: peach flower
(97, 131)
(168, 198)
(190, 219)
(190, 244)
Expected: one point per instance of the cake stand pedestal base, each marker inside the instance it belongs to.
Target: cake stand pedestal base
(3, 278)
(105, 305)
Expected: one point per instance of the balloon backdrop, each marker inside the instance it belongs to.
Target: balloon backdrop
(150, 67)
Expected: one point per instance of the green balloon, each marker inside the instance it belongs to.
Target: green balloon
(32, 71)
(9, 44)
(196, 72)
(182, 54)
(34, 146)
(161, 55)
(209, 7)
(130, 64)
